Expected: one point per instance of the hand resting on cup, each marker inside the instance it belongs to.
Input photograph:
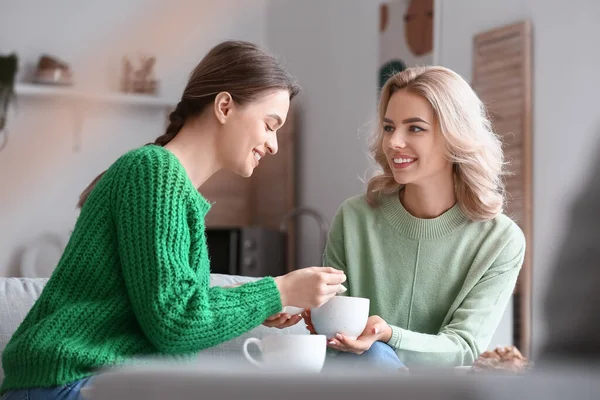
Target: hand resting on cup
(309, 287)
(306, 287)
(315, 284)
(282, 320)
(375, 330)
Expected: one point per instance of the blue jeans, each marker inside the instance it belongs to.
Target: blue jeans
(69, 391)
(380, 356)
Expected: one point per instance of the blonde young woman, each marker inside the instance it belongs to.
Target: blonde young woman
(428, 243)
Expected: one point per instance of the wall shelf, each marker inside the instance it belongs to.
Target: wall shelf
(45, 91)
(78, 101)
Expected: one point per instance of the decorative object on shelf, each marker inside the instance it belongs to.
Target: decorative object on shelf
(140, 80)
(384, 17)
(418, 26)
(52, 71)
(404, 39)
(8, 71)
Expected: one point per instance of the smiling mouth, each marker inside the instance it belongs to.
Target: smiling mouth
(257, 156)
(404, 162)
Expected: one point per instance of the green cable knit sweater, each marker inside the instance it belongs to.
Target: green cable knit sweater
(442, 284)
(133, 281)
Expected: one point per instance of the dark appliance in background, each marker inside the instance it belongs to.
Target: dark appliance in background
(249, 251)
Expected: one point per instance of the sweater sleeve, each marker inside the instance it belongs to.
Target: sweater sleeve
(173, 303)
(462, 340)
(335, 255)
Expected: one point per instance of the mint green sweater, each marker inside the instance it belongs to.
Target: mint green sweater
(442, 284)
(133, 281)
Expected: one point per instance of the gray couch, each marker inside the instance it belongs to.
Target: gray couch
(17, 296)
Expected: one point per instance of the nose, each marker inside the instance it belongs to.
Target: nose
(272, 145)
(397, 141)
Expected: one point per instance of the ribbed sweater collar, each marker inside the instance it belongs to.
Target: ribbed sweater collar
(418, 228)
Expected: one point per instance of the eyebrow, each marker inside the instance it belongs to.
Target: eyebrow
(406, 121)
(276, 118)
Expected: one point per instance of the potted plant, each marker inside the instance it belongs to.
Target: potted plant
(8, 71)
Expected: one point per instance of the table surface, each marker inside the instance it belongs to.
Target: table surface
(227, 381)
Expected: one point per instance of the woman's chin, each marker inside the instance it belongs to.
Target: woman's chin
(402, 180)
(246, 172)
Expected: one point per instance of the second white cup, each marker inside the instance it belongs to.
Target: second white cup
(341, 314)
(298, 353)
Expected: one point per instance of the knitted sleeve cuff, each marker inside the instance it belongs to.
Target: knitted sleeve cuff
(396, 338)
(268, 297)
(255, 301)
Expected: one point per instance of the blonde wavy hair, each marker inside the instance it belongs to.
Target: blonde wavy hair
(471, 145)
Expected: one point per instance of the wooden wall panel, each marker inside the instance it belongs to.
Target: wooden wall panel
(273, 188)
(502, 79)
(265, 197)
(229, 194)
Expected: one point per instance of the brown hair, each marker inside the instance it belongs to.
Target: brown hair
(242, 69)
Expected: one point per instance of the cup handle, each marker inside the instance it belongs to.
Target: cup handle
(247, 355)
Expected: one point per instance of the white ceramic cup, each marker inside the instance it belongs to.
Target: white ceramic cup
(341, 314)
(298, 353)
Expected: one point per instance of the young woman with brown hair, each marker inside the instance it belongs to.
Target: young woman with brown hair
(134, 278)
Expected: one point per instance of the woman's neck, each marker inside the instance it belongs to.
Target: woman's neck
(196, 148)
(429, 200)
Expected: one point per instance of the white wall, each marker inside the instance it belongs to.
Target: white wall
(40, 174)
(566, 119)
(332, 47)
